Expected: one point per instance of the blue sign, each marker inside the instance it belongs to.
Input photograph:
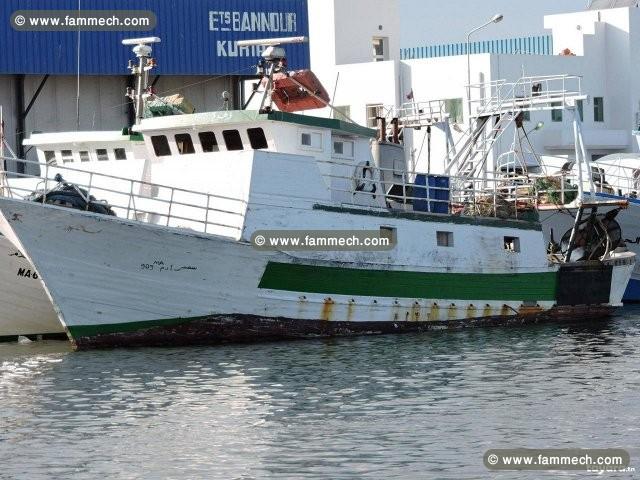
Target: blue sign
(199, 37)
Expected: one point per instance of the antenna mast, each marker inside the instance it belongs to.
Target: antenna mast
(142, 50)
(274, 60)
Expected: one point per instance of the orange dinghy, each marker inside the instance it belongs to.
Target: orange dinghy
(291, 97)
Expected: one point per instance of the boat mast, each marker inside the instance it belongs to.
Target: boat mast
(142, 50)
(274, 60)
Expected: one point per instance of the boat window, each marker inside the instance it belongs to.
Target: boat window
(120, 153)
(67, 156)
(208, 142)
(232, 140)
(343, 148)
(84, 156)
(311, 139)
(512, 244)
(445, 239)
(50, 157)
(257, 138)
(160, 145)
(184, 144)
(102, 154)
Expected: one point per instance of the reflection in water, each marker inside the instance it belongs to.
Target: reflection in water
(415, 406)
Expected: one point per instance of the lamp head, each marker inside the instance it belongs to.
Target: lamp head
(497, 18)
(539, 126)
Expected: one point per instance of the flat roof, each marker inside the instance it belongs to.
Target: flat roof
(197, 120)
(65, 138)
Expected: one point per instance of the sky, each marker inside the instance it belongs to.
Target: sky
(432, 22)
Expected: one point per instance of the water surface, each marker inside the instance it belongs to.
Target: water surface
(413, 406)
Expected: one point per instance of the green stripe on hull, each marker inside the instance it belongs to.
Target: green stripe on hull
(78, 331)
(399, 284)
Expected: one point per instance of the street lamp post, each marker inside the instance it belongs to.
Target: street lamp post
(495, 19)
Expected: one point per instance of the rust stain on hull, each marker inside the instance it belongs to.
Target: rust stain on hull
(223, 329)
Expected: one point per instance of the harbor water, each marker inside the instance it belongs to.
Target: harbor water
(411, 406)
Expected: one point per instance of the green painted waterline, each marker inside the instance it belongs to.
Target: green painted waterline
(401, 284)
(78, 331)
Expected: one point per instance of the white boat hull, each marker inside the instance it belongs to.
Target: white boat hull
(118, 282)
(24, 307)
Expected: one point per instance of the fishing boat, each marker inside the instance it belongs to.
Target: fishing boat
(180, 256)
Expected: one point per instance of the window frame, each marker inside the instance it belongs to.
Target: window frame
(187, 141)
(377, 110)
(384, 43)
(50, 155)
(227, 141)
(117, 150)
(155, 147)
(68, 158)
(343, 141)
(507, 239)
(311, 133)
(99, 155)
(257, 141)
(598, 109)
(556, 115)
(449, 239)
(215, 146)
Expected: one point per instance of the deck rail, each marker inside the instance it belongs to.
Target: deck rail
(129, 198)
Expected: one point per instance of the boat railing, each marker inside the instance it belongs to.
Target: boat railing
(131, 198)
(609, 177)
(538, 93)
(499, 196)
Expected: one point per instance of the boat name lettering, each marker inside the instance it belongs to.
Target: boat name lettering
(27, 273)
(160, 266)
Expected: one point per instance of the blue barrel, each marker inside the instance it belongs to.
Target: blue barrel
(439, 190)
(432, 194)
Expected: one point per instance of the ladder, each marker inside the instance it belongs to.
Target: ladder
(496, 107)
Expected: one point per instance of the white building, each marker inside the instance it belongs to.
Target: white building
(601, 45)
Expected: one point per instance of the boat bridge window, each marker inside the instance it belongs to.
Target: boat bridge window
(257, 138)
(102, 154)
(343, 148)
(184, 144)
(120, 153)
(444, 239)
(50, 157)
(313, 140)
(512, 244)
(67, 156)
(232, 140)
(84, 156)
(208, 142)
(160, 145)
